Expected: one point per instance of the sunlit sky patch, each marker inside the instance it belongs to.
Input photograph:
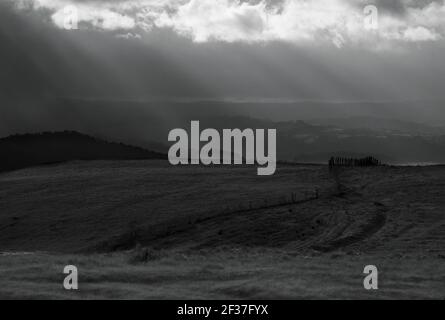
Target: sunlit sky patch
(336, 22)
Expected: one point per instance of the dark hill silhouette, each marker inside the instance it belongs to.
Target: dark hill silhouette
(20, 151)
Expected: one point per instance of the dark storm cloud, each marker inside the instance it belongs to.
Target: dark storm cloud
(391, 7)
(395, 7)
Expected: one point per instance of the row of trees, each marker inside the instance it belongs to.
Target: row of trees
(352, 162)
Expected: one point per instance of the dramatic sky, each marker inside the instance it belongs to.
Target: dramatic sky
(333, 50)
(339, 22)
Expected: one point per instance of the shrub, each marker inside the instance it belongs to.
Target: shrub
(142, 255)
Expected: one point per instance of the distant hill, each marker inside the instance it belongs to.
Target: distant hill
(20, 151)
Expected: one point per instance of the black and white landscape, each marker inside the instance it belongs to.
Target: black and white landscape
(90, 89)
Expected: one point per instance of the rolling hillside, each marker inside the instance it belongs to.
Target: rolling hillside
(233, 234)
(19, 151)
(112, 205)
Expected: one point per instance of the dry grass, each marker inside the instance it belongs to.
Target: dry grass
(223, 232)
(226, 274)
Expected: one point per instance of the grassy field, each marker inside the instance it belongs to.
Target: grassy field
(144, 229)
(221, 274)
